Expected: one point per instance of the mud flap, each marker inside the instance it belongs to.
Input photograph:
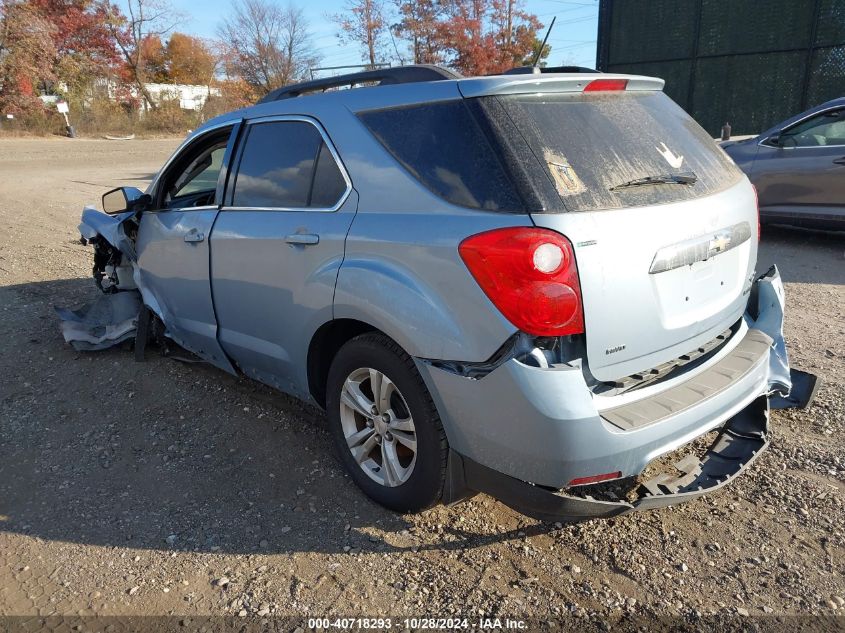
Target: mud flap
(741, 440)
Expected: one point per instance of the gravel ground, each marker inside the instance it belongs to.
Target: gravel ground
(169, 489)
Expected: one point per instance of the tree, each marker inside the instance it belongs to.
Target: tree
(364, 23)
(266, 45)
(419, 24)
(84, 47)
(486, 36)
(528, 60)
(26, 54)
(190, 60)
(155, 60)
(146, 19)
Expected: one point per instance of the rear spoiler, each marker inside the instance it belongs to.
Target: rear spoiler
(554, 83)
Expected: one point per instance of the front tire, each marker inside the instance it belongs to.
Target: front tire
(384, 424)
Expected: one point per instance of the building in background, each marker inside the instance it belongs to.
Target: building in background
(748, 62)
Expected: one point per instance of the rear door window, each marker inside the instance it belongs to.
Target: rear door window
(443, 147)
(588, 144)
(286, 165)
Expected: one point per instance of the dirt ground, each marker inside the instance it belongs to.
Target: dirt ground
(170, 489)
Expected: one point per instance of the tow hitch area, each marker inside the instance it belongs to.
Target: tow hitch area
(739, 442)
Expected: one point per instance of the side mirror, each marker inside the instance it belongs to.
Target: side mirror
(774, 140)
(124, 199)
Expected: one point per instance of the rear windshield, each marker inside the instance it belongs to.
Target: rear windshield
(554, 153)
(589, 145)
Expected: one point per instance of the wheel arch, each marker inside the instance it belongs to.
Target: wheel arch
(324, 346)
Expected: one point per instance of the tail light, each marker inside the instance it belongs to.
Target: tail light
(605, 85)
(531, 276)
(757, 204)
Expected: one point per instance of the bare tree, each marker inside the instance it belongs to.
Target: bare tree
(266, 45)
(364, 23)
(145, 20)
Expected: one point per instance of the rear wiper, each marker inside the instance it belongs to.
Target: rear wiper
(686, 178)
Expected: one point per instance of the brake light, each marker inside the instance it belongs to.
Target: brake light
(757, 204)
(530, 275)
(604, 85)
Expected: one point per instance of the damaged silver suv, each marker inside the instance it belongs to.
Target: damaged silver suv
(524, 284)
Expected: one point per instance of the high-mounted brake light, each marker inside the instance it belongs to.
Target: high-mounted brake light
(531, 276)
(605, 85)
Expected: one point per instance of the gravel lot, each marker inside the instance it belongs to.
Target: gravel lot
(170, 489)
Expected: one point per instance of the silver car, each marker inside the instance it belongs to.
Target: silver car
(525, 285)
(798, 167)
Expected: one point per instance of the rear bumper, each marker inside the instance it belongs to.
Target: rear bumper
(523, 424)
(743, 438)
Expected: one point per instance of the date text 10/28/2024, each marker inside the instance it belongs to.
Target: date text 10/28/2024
(426, 623)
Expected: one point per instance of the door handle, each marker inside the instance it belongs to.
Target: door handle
(839, 161)
(302, 239)
(194, 236)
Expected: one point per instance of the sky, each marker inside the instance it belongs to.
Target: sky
(573, 39)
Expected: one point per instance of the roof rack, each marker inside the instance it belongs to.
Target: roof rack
(381, 77)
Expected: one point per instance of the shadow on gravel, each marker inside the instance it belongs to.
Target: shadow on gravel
(97, 449)
(803, 255)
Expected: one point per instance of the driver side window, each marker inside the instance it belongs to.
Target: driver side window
(821, 130)
(192, 180)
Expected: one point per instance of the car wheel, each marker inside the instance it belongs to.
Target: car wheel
(385, 425)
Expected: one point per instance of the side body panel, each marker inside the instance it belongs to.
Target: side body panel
(270, 295)
(173, 256)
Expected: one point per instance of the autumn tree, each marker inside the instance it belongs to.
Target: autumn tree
(266, 45)
(84, 49)
(190, 60)
(153, 55)
(145, 20)
(26, 55)
(481, 37)
(364, 23)
(419, 24)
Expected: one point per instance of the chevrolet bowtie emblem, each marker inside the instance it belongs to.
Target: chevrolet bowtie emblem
(719, 243)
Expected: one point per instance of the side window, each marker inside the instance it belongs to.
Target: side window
(442, 146)
(192, 181)
(823, 129)
(286, 164)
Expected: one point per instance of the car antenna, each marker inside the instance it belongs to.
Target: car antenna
(539, 54)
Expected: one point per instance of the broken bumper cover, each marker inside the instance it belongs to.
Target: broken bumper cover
(740, 442)
(522, 433)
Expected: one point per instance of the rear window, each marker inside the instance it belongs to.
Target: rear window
(442, 146)
(587, 145)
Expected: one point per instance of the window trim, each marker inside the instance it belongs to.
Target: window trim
(186, 146)
(765, 141)
(296, 118)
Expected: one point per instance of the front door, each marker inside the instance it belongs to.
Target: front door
(172, 244)
(277, 246)
(804, 173)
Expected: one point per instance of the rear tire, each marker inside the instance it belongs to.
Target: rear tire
(384, 424)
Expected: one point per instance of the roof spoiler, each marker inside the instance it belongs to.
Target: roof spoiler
(551, 83)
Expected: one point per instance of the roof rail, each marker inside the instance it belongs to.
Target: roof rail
(381, 76)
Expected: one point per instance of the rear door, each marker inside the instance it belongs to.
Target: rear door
(805, 171)
(277, 246)
(172, 242)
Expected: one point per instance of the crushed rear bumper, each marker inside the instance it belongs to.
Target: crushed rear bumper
(743, 438)
(523, 434)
